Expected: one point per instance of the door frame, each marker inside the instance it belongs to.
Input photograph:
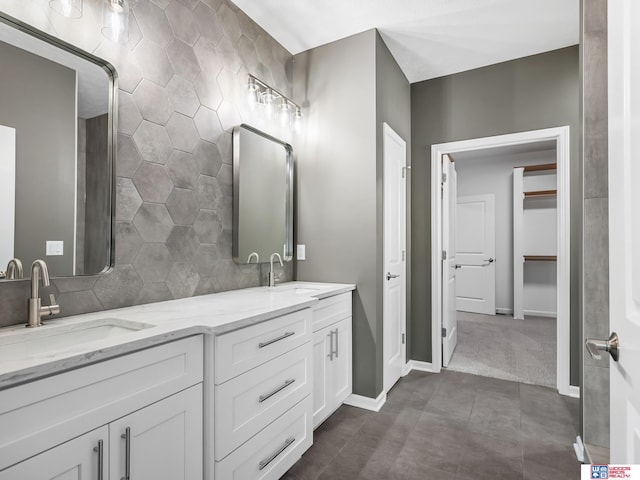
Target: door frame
(387, 130)
(561, 136)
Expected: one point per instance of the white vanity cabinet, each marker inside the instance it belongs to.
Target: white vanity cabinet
(262, 398)
(332, 355)
(139, 414)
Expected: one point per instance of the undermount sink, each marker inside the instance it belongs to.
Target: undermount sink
(50, 339)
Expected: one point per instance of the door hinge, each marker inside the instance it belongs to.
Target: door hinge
(403, 253)
(444, 332)
(403, 338)
(444, 178)
(444, 255)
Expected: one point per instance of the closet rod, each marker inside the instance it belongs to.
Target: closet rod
(537, 168)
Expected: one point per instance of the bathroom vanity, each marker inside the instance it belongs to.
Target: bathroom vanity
(220, 386)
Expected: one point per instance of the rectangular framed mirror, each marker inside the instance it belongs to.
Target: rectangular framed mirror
(262, 196)
(57, 135)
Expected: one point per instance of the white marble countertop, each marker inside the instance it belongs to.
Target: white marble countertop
(215, 314)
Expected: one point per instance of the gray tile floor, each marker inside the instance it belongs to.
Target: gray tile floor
(449, 426)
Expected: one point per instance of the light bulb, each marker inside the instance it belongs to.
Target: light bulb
(266, 98)
(285, 110)
(115, 20)
(67, 8)
(252, 94)
(297, 119)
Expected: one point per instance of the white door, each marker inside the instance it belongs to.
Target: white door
(7, 193)
(79, 459)
(161, 442)
(449, 318)
(624, 226)
(394, 296)
(475, 241)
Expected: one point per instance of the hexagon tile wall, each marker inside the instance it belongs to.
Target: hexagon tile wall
(182, 77)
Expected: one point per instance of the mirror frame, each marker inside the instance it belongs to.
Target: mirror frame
(112, 124)
(236, 192)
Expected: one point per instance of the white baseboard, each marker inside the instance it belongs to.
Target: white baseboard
(541, 313)
(421, 366)
(368, 403)
(574, 391)
(578, 447)
(406, 368)
(504, 311)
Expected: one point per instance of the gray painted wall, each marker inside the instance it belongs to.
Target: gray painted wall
(181, 78)
(350, 86)
(531, 93)
(45, 149)
(595, 298)
(336, 215)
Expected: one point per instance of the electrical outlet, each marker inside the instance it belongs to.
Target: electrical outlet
(302, 253)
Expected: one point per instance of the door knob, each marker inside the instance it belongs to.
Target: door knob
(612, 346)
(390, 276)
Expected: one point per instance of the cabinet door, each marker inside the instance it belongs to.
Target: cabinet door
(73, 460)
(341, 364)
(321, 375)
(160, 442)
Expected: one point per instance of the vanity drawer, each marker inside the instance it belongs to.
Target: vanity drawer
(47, 412)
(331, 310)
(274, 450)
(251, 401)
(241, 350)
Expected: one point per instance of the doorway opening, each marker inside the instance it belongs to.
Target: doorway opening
(502, 244)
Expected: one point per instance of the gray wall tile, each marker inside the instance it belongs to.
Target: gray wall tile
(170, 62)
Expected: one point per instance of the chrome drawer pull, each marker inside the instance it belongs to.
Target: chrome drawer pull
(275, 454)
(127, 453)
(281, 337)
(100, 450)
(262, 398)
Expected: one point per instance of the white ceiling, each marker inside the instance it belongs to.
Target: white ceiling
(428, 38)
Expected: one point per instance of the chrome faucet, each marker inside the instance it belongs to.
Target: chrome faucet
(14, 269)
(253, 254)
(272, 276)
(36, 311)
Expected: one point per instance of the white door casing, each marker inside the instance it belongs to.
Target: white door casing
(560, 135)
(475, 254)
(449, 316)
(7, 193)
(624, 226)
(394, 281)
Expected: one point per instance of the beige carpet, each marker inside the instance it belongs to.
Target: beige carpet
(499, 346)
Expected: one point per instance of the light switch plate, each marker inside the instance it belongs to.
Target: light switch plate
(302, 253)
(55, 248)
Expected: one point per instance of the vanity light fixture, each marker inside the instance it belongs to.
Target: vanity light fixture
(115, 20)
(67, 8)
(270, 98)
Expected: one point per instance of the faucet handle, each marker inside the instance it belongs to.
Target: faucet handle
(53, 307)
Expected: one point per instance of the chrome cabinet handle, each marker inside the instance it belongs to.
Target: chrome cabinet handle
(612, 345)
(286, 383)
(275, 454)
(127, 453)
(100, 450)
(281, 337)
(337, 343)
(330, 345)
(390, 276)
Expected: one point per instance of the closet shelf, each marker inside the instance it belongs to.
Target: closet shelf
(540, 258)
(541, 193)
(539, 168)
